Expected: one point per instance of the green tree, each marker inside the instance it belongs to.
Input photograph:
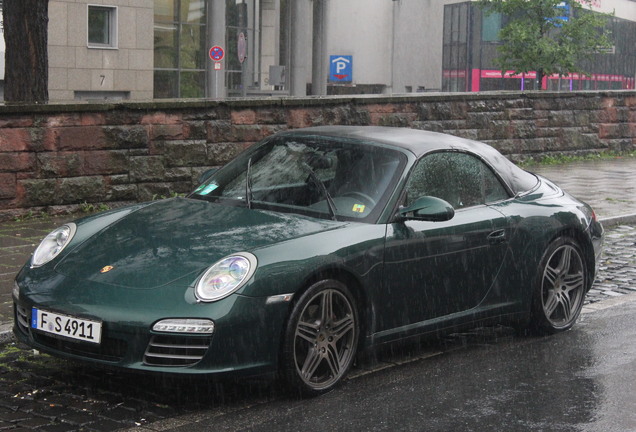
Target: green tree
(548, 36)
(26, 58)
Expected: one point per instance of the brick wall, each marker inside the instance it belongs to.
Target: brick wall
(56, 158)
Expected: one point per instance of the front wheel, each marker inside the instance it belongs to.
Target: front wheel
(560, 287)
(321, 338)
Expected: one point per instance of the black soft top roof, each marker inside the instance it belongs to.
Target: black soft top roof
(420, 142)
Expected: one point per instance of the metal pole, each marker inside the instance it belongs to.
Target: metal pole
(244, 25)
(389, 88)
(300, 46)
(319, 49)
(215, 87)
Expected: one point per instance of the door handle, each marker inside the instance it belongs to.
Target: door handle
(497, 237)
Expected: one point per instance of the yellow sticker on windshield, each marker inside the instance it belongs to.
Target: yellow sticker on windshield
(358, 208)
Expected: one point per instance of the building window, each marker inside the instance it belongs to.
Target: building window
(180, 48)
(102, 26)
(457, 26)
(490, 27)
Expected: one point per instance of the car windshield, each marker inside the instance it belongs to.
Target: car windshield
(325, 177)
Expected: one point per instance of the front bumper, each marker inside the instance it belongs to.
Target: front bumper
(245, 339)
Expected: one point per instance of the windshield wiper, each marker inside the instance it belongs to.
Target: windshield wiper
(314, 177)
(248, 184)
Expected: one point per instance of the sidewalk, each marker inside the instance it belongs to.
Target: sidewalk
(607, 185)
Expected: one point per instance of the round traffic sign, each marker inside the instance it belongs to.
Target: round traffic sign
(217, 53)
(242, 47)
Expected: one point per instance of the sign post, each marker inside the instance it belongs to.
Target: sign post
(216, 54)
(241, 49)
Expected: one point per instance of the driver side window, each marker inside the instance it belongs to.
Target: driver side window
(458, 178)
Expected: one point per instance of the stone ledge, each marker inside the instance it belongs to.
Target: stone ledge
(170, 104)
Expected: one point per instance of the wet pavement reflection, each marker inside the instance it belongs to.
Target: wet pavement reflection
(484, 380)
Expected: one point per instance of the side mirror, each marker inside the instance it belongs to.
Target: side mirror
(207, 174)
(428, 208)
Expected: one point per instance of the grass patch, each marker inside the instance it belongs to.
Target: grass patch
(9, 354)
(9, 350)
(85, 207)
(157, 197)
(13, 357)
(559, 159)
(31, 215)
(93, 208)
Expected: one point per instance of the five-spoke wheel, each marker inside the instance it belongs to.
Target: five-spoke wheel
(561, 287)
(321, 338)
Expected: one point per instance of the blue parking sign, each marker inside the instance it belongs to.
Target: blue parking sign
(340, 68)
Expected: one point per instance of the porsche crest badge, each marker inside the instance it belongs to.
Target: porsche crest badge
(106, 269)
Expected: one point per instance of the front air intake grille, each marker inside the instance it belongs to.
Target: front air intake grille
(110, 349)
(22, 319)
(176, 350)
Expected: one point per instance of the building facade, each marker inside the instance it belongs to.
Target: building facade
(470, 45)
(100, 49)
(145, 49)
(320, 47)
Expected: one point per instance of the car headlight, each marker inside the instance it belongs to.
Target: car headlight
(53, 244)
(225, 277)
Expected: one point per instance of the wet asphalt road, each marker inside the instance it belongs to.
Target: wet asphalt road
(484, 380)
(487, 379)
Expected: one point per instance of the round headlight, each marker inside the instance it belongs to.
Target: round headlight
(53, 244)
(225, 277)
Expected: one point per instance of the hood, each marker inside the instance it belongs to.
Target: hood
(174, 238)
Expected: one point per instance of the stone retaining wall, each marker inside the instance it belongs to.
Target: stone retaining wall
(59, 158)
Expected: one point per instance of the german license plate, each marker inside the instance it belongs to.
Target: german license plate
(66, 326)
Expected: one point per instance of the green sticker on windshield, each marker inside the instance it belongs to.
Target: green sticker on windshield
(358, 208)
(206, 189)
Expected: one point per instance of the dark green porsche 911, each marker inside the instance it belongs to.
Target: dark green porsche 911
(312, 246)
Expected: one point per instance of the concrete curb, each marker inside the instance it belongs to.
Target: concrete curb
(613, 221)
(610, 302)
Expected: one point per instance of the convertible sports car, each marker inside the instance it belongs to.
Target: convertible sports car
(312, 246)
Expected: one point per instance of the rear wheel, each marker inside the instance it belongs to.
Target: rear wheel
(560, 287)
(320, 338)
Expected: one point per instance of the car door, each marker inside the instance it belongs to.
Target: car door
(435, 269)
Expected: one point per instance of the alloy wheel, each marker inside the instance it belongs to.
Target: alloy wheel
(563, 286)
(324, 339)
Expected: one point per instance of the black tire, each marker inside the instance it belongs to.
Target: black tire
(560, 287)
(320, 339)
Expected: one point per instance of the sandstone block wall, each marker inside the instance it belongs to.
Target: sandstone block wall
(57, 158)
